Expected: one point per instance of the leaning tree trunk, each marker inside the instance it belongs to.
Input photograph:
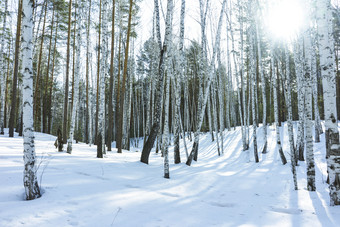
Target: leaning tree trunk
(32, 189)
(159, 92)
(203, 99)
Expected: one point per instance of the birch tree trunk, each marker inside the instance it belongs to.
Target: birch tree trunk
(88, 124)
(111, 88)
(326, 48)
(169, 75)
(177, 87)
(238, 75)
(298, 60)
(76, 80)
(120, 121)
(15, 73)
(264, 96)
(65, 116)
(32, 189)
(252, 79)
(276, 110)
(2, 74)
(310, 164)
(159, 92)
(204, 98)
(103, 73)
(289, 120)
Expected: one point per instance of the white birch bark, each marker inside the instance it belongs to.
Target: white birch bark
(177, 87)
(252, 81)
(32, 189)
(276, 110)
(2, 73)
(169, 16)
(298, 61)
(309, 111)
(326, 49)
(264, 97)
(103, 73)
(76, 81)
(204, 98)
(214, 114)
(238, 74)
(289, 120)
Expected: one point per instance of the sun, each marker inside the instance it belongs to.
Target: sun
(284, 18)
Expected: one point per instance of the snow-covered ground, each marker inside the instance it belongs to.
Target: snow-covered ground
(230, 190)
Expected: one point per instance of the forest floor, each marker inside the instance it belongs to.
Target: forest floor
(118, 190)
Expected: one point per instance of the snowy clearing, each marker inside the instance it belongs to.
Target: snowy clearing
(82, 190)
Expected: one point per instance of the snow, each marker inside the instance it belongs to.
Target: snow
(118, 190)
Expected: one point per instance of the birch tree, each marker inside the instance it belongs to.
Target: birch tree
(203, 97)
(76, 80)
(65, 116)
(310, 164)
(299, 71)
(276, 109)
(293, 158)
(177, 86)
(263, 83)
(326, 49)
(102, 76)
(32, 189)
(2, 65)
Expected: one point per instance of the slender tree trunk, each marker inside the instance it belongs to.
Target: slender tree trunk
(2, 73)
(276, 110)
(204, 98)
(310, 164)
(65, 120)
(32, 189)
(159, 88)
(289, 121)
(177, 87)
(264, 96)
(76, 80)
(326, 48)
(110, 107)
(298, 59)
(47, 83)
(15, 73)
(87, 71)
(38, 83)
(122, 95)
(253, 88)
(52, 77)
